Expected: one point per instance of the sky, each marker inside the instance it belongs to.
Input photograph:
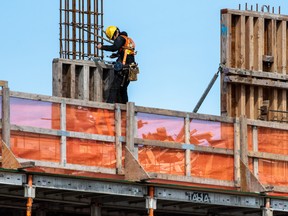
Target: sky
(177, 43)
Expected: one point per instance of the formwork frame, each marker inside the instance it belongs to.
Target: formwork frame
(254, 50)
(133, 173)
(81, 28)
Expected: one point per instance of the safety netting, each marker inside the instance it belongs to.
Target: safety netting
(172, 161)
(45, 117)
(275, 141)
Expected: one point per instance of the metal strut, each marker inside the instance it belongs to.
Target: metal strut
(195, 110)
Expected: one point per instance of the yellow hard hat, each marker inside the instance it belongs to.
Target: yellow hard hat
(110, 31)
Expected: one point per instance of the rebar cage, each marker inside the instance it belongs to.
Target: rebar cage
(81, 24)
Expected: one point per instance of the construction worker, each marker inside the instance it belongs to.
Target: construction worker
(125, 56)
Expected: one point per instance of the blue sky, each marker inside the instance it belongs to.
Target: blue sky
(178, 44)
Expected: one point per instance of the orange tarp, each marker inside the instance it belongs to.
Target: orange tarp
(35, 146)
(172, 161)
(91, 153)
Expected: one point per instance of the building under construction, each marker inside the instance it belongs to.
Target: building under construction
(73, 154)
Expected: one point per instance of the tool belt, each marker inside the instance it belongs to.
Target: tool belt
(128, 71)
(133, 72)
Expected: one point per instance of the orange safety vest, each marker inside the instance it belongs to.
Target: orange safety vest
(129, 48)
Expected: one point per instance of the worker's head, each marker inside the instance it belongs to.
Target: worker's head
(111, 32)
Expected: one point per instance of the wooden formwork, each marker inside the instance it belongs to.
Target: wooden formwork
(254, 50)
(80, 79)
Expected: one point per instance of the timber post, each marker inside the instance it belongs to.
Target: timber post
(5, 112)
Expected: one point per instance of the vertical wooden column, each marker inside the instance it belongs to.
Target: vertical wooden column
(130, 128)
(243, 140)
(118, 143)
(5, 112)
(274, 96)
(255, 149)
(237, 177)
(282, 65)
(240, 63)
(188, 151)
(98, 84)
(63, 154)
(249, 52)
(226, 31)
(259, 63)
(57, 77)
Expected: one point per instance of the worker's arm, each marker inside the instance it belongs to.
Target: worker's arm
(118, 43)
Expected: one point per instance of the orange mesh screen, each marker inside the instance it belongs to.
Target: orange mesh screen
(34, 113)
(210, 133)
(123, 123)
(250, 138)
(91, 153)
(165, 128)
(90, 120)
(158, 127)
(161, 160)
(272, 140)
(273, 172)
(213, 166)
(35, 146)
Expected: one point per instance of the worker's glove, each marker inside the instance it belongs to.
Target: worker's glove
(114, 55)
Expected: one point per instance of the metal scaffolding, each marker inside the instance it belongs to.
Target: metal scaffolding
(81, 23)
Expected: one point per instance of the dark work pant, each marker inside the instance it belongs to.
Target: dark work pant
(118, 93)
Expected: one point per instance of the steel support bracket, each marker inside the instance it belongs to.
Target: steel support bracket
(29, 191)
(151, 202)
(267, 212)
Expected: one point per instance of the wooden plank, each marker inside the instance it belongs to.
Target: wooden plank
(256, 82)
(118, 143)
(69, 101)
(63, 148)
(4, 83)
(274, 96)
(193, 179)
(249, 183)
(57, 79)
(255, 14)
(253, 73)
(188, 151)
(226, 50)
(282, 65)
(130, 122)
(237, 174)
(59, 133)
(181, 146)
(72, 82)
(6, 115)
(98, 84)
(249, 53)
(259, 64)
(82, 62)
(243, 140)
(274, 125)
(174, 113)
(133, 169)
(9, 161)
(269, 156)
(70, 166)
(255, 149)
(86, 83)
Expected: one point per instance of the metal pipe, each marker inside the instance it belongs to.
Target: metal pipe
(60, 29)
(29, 200)
(151, 194)
(195, 110)
(74, 29)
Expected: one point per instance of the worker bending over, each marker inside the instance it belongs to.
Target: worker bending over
(124, 46)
